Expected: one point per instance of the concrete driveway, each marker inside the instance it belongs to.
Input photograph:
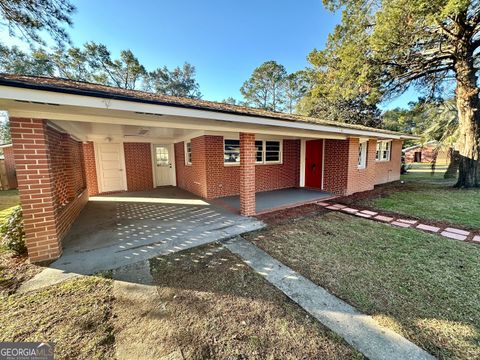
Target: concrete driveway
(122, 229)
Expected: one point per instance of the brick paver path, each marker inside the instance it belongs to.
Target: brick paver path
(448, 232)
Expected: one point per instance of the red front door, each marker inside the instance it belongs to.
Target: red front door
(313, 163)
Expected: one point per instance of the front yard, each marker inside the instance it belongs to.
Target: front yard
(209, 304)
(76, 315)
(423, 286)
(430, 197)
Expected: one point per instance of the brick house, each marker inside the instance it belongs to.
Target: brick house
(10, 172)
(72, 140)
(426, 153)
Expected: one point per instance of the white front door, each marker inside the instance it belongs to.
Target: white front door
(111, 167)
(163, 161)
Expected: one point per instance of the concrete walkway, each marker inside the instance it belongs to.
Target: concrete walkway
(448, 232)
(359, 330)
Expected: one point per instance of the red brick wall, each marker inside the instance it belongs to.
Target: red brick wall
(61, 167)
(225, 180)
(192, 177)
(335, 167)
(342, 175)
(387, 171)
(138, 166)
(361, 179)
(77, 158)
(46, 183)
(10, 167)
(90, 168)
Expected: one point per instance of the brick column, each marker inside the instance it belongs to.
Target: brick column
(247, 174)
(90, 168)
(35, 184)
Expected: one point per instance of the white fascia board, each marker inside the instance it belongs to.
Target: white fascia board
(13, 93)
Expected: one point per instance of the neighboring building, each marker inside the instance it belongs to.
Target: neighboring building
(72, 140)
(426, 153)
(9, 168)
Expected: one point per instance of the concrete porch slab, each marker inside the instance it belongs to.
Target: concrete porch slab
(122, 229)
(277, 199)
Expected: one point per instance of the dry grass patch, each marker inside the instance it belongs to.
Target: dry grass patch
(212, 306)
(75, 315)
(423, 286)
(14, 270)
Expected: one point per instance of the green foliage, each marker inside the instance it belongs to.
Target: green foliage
(15, 61)
(125, 72)
(13, 232)
(296, 85)
(94, 63)
(5, 137)
(27, 19)
(352, 111)
(264, 87)
(444, 126)
(177, 82)
(382, 48)
(414, 120)
(270, 87)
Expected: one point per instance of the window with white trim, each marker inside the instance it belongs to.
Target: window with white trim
(383, 150)
(273, 152)
(362, 154)
(188, 153)
(266, 151)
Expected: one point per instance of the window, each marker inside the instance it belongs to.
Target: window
(259, 153)
(383, 150)
(188, 153)
(231, 153)
(362, 155)
(386, 151)
(266, 151)
(417, 157)
(272, 152)
(161, 156)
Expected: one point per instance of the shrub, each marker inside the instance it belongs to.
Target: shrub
(13, 234)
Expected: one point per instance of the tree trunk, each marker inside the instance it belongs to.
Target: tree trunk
(453, 165)
(469, 122)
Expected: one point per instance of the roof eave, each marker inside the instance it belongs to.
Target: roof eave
(103, 95)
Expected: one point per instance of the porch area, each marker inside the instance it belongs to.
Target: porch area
(268, 201)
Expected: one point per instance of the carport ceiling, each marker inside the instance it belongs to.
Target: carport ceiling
(94, 131)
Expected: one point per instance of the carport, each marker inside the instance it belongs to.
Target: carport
(121, 229)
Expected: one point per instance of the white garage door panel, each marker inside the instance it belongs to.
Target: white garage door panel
(111, 167)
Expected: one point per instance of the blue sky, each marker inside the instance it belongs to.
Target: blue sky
(224, 40)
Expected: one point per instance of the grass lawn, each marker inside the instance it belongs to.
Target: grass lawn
(423, 286)
(432, 198)
(75, 315)
(8, 200)
(213, 306)
(209, 305)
